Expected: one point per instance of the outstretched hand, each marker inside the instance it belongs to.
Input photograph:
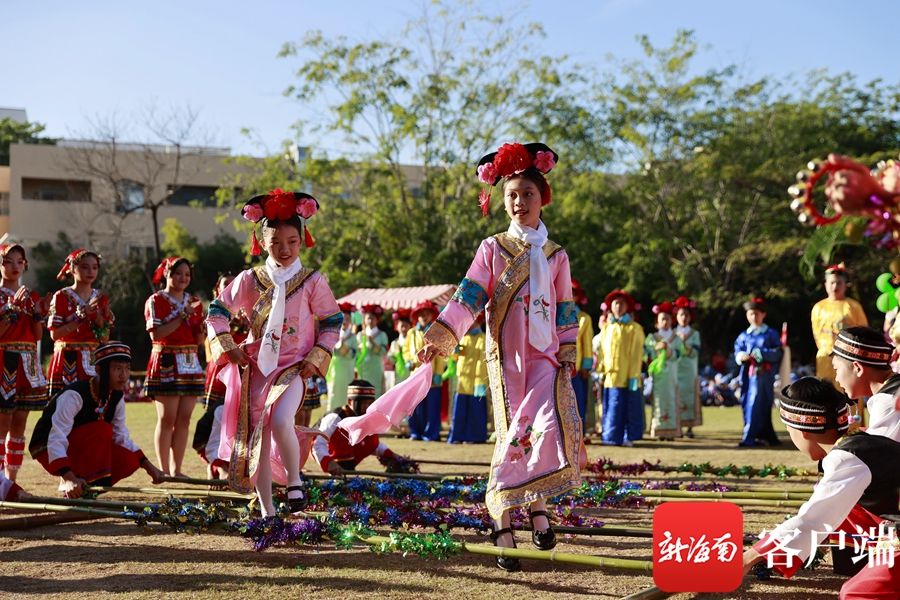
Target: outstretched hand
(427, 353)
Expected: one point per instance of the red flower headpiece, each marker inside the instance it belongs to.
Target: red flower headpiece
(838, 269)
(512, 159)
(424, 306)
(165, 267)
(346, 307)
(685, 302)
(279, 205)
(402, 314)
(578, 294)
(629, 301)
(372, 309)
(665, 307)
(72, 260)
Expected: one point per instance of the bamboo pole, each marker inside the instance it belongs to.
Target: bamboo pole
(163, 491)
(194, 481)
(34, 521)
(454, 463)
(570, 558)
(766, 495)
(88, 503)
(58, 508)
(739, 501)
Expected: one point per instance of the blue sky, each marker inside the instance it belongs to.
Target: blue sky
(68, 62)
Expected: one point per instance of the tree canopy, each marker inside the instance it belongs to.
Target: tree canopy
(671, 179)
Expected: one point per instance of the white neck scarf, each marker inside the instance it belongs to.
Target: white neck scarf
(271, 341)
(372, 331)
(540, 332)
(685, 330)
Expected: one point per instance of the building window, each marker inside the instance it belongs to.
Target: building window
(132, 197)
(57, 190)
(192, 195)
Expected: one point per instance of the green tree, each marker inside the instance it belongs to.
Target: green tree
(14, 132)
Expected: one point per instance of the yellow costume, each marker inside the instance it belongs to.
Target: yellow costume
(471, 370)
(620, 353)
(828, 318)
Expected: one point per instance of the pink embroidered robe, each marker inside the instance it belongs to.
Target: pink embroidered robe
(539, 438)
(250, 397)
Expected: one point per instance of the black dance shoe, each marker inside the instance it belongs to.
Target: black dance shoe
(506, 563)
(542, 540)
(299, 503)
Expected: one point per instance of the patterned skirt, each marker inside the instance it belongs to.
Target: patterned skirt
(174, 371)
(71, 362)
(22, 386)
(315, 389)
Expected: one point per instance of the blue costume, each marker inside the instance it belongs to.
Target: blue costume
(763, 346)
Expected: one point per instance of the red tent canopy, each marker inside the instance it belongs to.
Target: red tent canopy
(404, 297)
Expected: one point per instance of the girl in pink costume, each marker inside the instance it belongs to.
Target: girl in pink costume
(522, 280)
(265, 375)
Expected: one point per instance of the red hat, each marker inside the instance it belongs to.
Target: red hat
(165, 267)
(684, 302)
(73, 259)
(346, 307)
(402, 314)
(755, 303)
(372, 309)
(629, 301)
(665, 307)
(838, 269)
(512, 159)
(7, 248)
(279, 205)
(578, 294)
(422, 307)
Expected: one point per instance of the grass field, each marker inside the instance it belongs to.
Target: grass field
(115, 559)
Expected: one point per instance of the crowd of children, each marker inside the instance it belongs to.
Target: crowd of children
(515, 342)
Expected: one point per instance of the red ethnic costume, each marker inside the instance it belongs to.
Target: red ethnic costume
(174, 366)
(83, 429)
(22, 386)
(336, 447)
(73, 353)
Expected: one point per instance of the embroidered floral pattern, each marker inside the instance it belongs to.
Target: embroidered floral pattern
(521, 446)
(541, 307)
(471, 295)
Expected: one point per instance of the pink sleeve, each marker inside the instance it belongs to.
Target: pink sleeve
(325, 308)
(471, 298)
(327, 311)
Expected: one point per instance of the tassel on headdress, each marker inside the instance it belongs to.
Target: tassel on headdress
(255, 249)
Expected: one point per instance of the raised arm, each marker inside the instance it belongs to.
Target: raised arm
(471, 298)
